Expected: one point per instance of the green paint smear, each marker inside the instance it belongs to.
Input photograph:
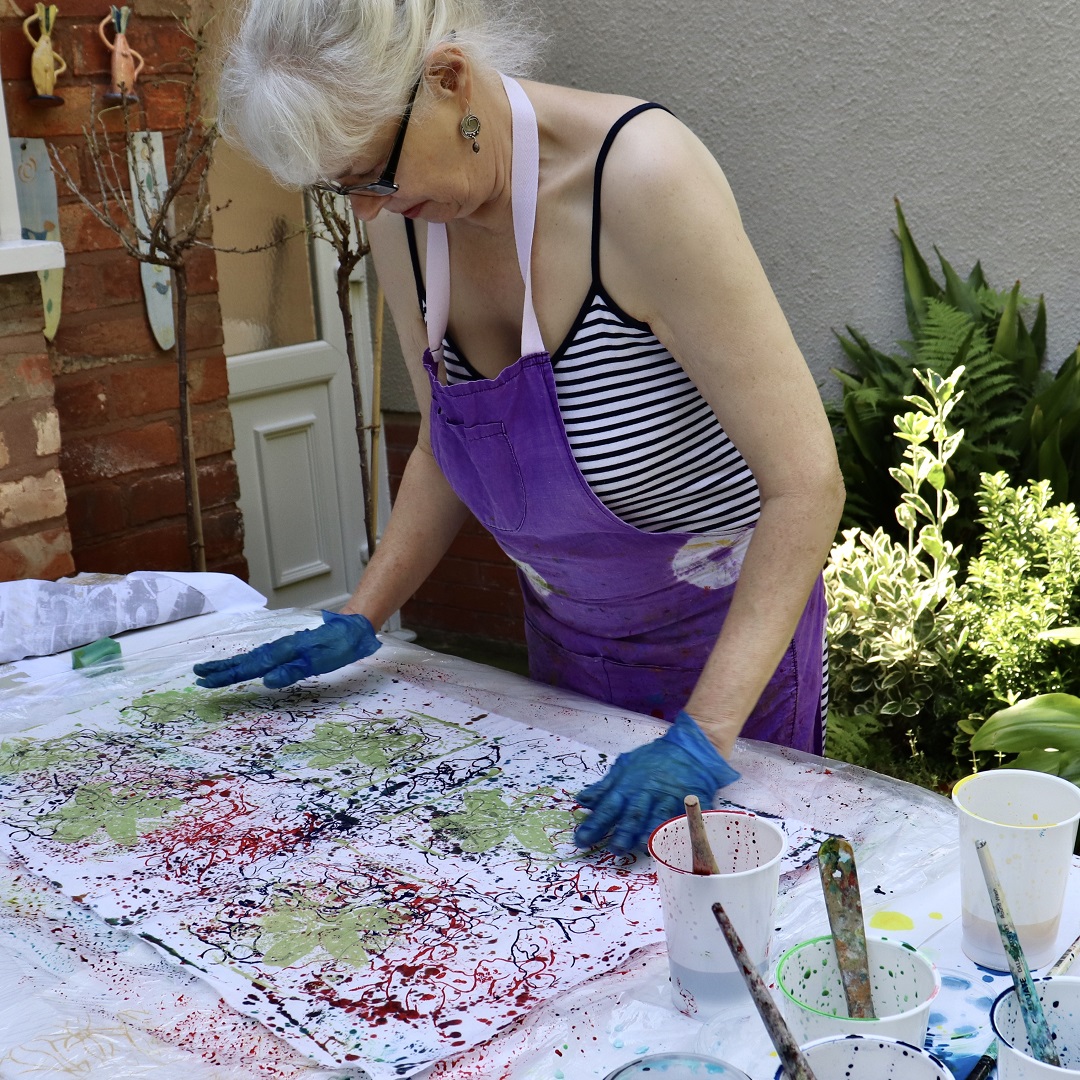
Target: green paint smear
(376, 745)
(350, 934)
(123, 812)
(190, 704)
(26, 755)
(487, 820)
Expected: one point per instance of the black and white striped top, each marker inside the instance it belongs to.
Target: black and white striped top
(647, 443)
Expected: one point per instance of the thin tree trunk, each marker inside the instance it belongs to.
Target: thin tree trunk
(196, 546)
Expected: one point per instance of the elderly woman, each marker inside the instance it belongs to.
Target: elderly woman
(605, 378)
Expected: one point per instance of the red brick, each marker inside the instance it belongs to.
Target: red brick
(35, 122)
(208, 379)
(82, 401)
(121, 452)
(223, 533)
(121, 282)
(471, 545)
(94, 511)
(202, 271)
(165, 45)
(155, 497)
(82, 281)
(218, 482)
(81, 231)
(213, 431)
(204, 323)
(23, 377)
(86, 53)
(108, 332)
(165, 105)
(45, 554)
(161, 548)
(20, 314)
(137, 389)
(15, 52)
(70, 159)
(233, 564)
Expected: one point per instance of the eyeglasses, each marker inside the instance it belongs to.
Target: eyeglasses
(385, 184)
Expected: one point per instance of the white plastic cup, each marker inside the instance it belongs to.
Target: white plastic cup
(747, 849)
(1060, 997)
(903, 984)
(862, 1057)
(677, 1067)
(1028, 820)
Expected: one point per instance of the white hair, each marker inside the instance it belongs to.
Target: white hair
(306, 84)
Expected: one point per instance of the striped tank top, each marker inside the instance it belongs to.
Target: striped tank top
(647, 443)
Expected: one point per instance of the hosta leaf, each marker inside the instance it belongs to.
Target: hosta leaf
(1047, 720)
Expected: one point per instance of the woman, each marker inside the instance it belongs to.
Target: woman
(605, 378)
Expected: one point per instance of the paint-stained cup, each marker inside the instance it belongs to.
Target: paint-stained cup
(747, 849)
(860, 1057)
(1028, 820)
(677, 1067)
(1060, 997)
(903, 984)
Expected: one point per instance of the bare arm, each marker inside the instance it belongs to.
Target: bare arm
(426, 515)
(676, 256)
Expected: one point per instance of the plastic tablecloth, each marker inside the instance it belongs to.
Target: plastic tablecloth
(79, 997)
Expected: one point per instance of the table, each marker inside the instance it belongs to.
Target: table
(78, 996)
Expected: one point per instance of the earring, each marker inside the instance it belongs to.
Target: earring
(470, 128)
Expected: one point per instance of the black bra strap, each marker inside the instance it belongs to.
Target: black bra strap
(414, 255)
(600, 159)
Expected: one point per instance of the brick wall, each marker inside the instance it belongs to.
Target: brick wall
(116, 392)
(34, 537)
(473, 592)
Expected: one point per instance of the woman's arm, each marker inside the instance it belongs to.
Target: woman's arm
(426, 515)
(674, 254)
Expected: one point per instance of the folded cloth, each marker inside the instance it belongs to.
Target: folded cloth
(39, 618)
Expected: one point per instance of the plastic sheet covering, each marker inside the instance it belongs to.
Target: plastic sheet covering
(80, 998)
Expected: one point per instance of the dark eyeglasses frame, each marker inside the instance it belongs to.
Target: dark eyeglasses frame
(385, 184)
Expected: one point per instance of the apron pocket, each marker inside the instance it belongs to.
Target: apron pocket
(480, 464)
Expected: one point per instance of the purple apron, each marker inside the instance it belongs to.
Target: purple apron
(613, 612)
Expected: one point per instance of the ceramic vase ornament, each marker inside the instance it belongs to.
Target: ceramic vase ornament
(126, 62)
(45, 63)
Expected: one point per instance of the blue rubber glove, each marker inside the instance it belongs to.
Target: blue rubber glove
(646, 787)
(341, 640)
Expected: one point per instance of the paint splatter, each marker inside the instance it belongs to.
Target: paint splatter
(891, 920)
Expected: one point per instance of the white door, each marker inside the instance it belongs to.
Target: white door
(290, 392)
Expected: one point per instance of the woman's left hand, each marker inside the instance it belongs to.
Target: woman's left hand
(645, 787)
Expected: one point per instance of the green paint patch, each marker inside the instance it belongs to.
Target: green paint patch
(487, 820)
(379, 744)
(189, 704)
(302, 926)
(891, 920)
(28, 755)
(124, 813)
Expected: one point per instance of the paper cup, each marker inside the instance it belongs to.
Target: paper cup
(903, 983)
(677, 1067)
(748, 849)
(1060, 997)
(858, 1057)
(1028, 820)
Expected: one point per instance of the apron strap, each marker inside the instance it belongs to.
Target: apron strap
(524, 177)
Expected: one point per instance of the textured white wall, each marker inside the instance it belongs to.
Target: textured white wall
(821, 112)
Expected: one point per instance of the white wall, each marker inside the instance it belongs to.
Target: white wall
(820, 113)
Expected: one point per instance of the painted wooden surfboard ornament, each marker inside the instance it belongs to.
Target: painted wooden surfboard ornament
(35, 192)
(146, 164)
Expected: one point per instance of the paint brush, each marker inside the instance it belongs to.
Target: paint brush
(792, 1058)
(703, 860)
(843, 901)
(1038, 1031)
(986, 1064)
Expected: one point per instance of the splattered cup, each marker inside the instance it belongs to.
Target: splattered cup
(677, 1067)
(858, 1057)
(1060, 997)
(903, 983)
(748, 850)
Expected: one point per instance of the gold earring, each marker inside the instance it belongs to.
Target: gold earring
(470, 128)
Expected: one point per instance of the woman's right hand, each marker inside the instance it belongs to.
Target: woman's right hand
(341, 640)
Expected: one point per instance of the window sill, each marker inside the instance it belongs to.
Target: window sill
(26, 256)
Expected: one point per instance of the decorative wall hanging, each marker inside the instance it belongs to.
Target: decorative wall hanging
(125, 70)
(146, 165)
(35, 189)
(45, 63)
